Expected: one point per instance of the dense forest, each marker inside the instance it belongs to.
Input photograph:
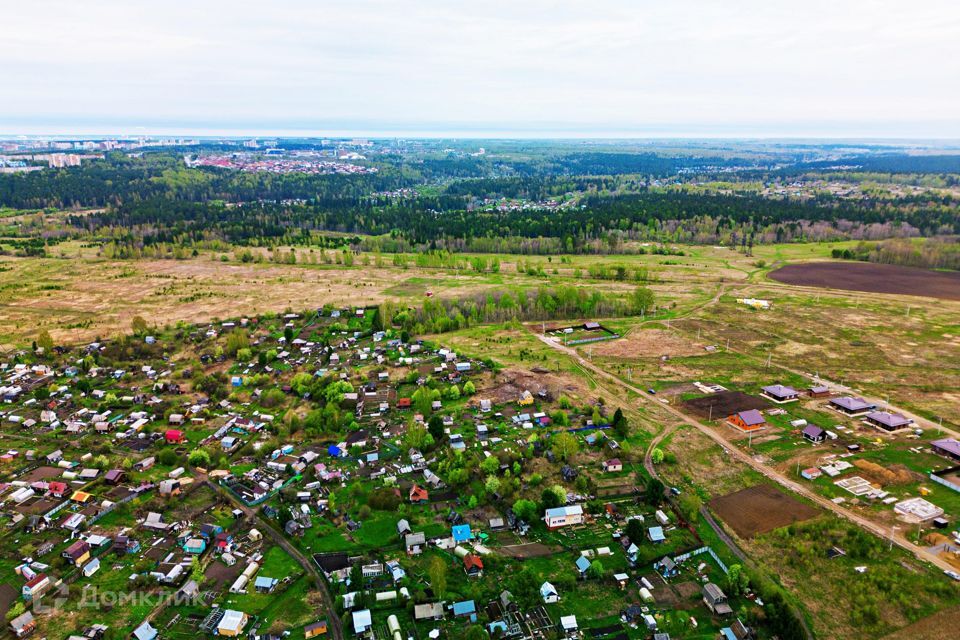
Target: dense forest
(579, 201)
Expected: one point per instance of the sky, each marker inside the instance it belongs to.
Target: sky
(597, 68)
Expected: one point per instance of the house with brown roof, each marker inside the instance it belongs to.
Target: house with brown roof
(419, 495)
(78, 552)
(472, 564)
(612, 466)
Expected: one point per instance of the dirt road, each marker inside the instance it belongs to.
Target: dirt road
(732, 450)
(333, 620)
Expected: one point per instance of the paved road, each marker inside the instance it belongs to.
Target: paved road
(735, 452)
(333, 620)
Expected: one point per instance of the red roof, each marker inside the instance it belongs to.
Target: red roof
(173, 435)
(37, 580)
(418, 493)
(472, 561)
(57, 487)
(404, 402)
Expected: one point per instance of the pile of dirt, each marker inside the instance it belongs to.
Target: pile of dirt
(884, 476)
(935, 539)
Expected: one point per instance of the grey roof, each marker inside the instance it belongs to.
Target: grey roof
(713, 592)
(22, 620)
(947, 445)
(852, 404)
(780, 391)
(887, 419)
(751, 417)
(813, 431)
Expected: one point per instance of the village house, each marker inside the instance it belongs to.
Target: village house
(314, 629)
(716, 600)
(549, 593)
(563, 516)
(78, 552)
(750, 420)
(781, 394)
(851, 406)
(947, 447)
(414, 543)
(23, 625)
(814, 434)
(887, 421)
(419, 495)
(472, 565)
(612, 466)
(232, 623)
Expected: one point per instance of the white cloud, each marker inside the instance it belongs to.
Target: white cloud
(844, 68)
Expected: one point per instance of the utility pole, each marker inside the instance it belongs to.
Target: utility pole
(711, 414)
(768, 359)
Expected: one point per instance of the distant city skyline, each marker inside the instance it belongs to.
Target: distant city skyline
(606, 69)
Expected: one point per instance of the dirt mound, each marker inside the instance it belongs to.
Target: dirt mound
(885, 476)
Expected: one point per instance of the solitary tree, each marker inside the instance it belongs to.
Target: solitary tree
(565, 445)
(138, 325)
(44, 341)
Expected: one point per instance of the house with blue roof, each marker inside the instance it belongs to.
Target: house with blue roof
(145, 632)
(465, 609)
(582, 565)
(549, 593)
(656, 535)
(462, 533)
(264, 584)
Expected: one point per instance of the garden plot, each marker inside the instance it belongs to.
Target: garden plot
(760, 509)
(723, 404)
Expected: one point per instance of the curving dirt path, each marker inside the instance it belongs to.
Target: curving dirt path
(735, 452)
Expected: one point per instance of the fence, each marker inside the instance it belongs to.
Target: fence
(700, 551)
(936, 477)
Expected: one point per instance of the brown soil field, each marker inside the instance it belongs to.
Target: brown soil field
(760, 509)
(935, 627)
(8, 595)
(648, 343)
(725, 403)
(872, 278)
(222, 575)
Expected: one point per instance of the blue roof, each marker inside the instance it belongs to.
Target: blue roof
(264, 581)
(145, 632)
(582, 563)
(497, 624)
(728, 634)
(334, 450)
(463, 608)
(656, 534)
(462, 533)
